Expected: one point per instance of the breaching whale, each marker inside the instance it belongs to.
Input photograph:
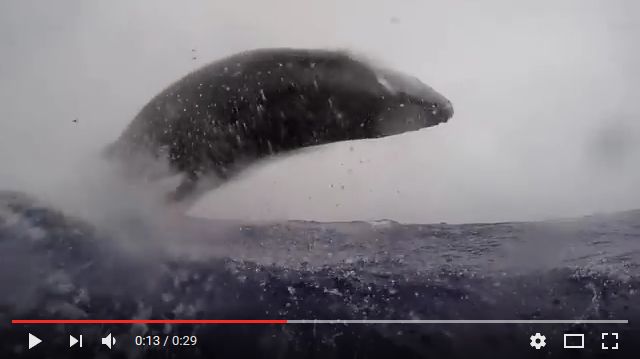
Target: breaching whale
(234, 111)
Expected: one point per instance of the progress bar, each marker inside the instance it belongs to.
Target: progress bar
(462, 321)
(320, 321)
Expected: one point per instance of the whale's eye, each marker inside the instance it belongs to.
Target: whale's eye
(434, 105)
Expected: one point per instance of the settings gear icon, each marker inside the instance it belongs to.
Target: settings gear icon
(538, 341)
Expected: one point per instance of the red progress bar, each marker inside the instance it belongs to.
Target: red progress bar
(149, 321)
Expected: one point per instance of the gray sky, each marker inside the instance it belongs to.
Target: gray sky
(545, 94)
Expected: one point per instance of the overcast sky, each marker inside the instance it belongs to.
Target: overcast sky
(545, 96)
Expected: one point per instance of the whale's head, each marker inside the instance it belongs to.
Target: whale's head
(408, 105)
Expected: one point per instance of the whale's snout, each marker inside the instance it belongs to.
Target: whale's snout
(413, 102)
(444, 111)
(433, 110)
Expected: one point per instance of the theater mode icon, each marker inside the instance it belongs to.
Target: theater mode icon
(574, 341)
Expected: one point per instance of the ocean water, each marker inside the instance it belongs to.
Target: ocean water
(55, 266)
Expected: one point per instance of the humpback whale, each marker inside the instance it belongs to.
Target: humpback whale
(226, 115)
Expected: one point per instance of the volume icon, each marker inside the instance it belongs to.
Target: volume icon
(109, 341)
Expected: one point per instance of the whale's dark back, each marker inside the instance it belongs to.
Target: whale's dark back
(261, 102)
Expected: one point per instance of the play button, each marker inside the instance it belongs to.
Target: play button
(33, 341)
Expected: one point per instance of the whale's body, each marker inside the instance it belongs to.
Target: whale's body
(242, 108)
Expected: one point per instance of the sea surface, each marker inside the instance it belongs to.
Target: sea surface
(56, 266)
